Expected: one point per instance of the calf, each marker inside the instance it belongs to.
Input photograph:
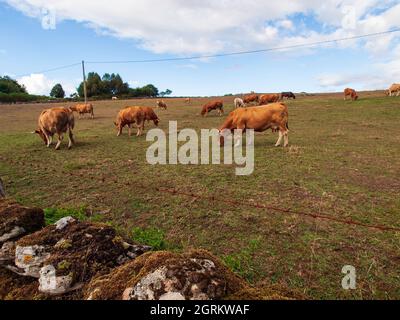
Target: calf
(350, 92)
(239, 103)
(268, 98)
(138, 115)
(56, 121)
(213, 105)
(274, 116)
(161, 104)
(83, 108)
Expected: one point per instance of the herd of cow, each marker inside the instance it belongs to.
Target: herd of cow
(268, 112)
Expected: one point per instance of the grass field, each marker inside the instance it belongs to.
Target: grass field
(344, 161)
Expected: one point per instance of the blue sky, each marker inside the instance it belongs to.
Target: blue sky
(153, 29)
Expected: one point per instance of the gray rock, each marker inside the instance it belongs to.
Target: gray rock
(30, 259)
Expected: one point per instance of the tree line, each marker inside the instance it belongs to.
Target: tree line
(104, 87)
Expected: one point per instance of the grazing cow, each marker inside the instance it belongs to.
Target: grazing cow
(250, 98)
(239, 103)
(273, 116)
(138, 115)
(395, 88)
(56, 121)
(213, 105)
(268, 98)
(83, 108)
(161, 104)
(288, 95)
(350, 92)
(188, 100)
(114, 98)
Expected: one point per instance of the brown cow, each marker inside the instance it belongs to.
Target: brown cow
(350, 92)
(56, 121)
(250, 98)
(83, 108)
(273, 116)
(161, 104)
(188, 100)
(394, 88)
(268, 98)
(213, 105)
(138, 115)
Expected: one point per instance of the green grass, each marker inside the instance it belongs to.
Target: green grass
(243, 262)
(343, 162)
(52, 215)
(151, 237)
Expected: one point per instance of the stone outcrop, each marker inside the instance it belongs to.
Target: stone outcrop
(76, 260)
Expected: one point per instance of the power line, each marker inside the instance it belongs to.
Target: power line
(50, 70)
(304, 45)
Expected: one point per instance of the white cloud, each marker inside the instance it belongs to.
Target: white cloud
(192, 27)
(285, 24)
(38, 83)
(211, 26)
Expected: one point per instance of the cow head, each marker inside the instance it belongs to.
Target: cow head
(156, 121)
(41, 135)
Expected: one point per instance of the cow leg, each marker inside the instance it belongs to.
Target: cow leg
(130, 130)
(60, 138)
(92, 114)
(119, 131)
(71, 139)
(286, 139)
(49, 138)
(279, 142)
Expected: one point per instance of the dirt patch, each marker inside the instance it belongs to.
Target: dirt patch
(17, 221)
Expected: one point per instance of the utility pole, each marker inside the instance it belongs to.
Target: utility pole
(84, 80)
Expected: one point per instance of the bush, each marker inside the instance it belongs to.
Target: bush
(20, 97)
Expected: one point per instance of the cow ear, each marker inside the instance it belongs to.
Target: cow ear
(36, 131)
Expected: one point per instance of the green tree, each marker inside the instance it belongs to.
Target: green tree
(94, 86)
(149, 91)
(167, 92)
(8, 85)
(57, 91)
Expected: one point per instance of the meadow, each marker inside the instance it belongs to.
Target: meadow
(343, 162)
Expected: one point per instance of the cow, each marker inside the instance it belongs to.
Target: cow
(250, 98)
(395, 88)
(273, 116)
(213, 105)
(56, 121)
(188, 100)
(239, 103)
(268, 98)
(114, 98)
(161, 104)
(83, 108)
(350, 92)
(288, 95)
(138, 115)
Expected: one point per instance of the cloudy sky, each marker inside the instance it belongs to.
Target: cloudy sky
(38, 36)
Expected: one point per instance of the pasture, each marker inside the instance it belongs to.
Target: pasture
(343, 161)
